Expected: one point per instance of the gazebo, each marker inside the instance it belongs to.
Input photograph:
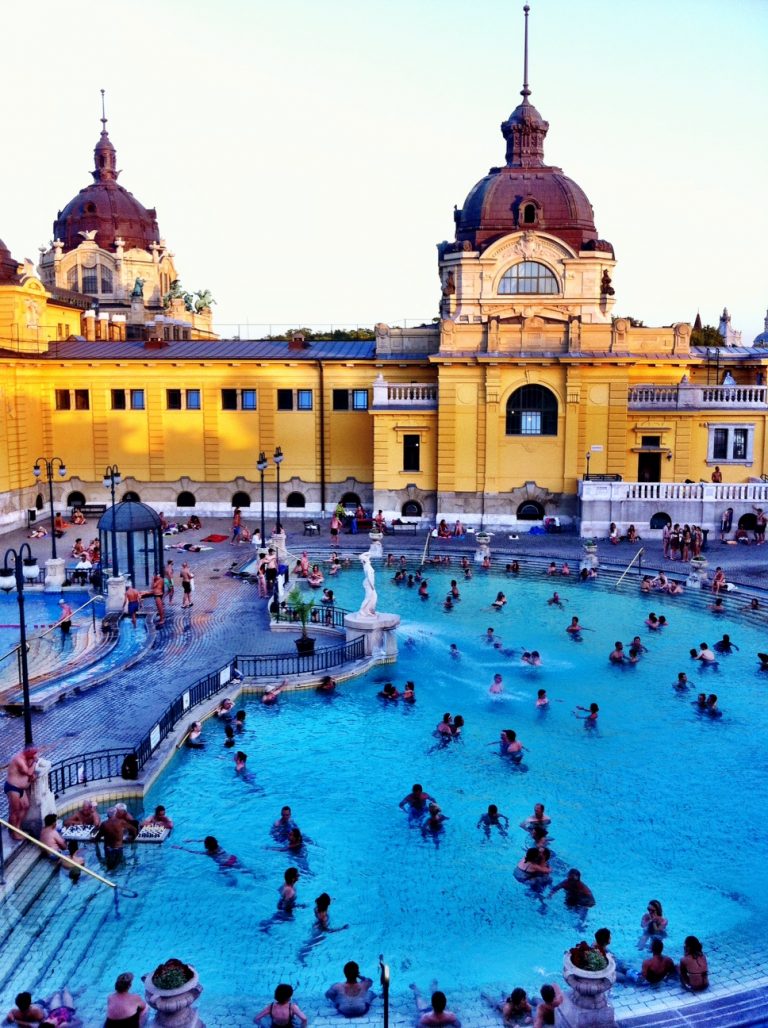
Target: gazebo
(131, 541)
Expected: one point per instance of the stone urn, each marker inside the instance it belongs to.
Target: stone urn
(174, 1007)
(587, 1004)
(376, 549)
(589, 560)
(697, 575)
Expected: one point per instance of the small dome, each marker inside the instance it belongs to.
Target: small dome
(8, 266)
(106, 208)
(761, 340)
(130, 517)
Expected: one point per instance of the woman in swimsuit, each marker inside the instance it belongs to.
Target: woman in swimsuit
(694, 973)
(653, 924)
(353, 996)
(282, 1011)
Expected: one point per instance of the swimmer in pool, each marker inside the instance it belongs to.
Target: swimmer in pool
(541, 699)
(725, 645)
(282, 828)
(443, 727)
(682, 681)
(706, 656)
(511, 746)
(652, 621)
(453, 650)
(423, 589)
(448, 602)
(500, 601)
(590, 715)
(555, 601)
(272, 693)
(432, 825)
(534, 863)
(489, 636)
(701, 701)
(577, 893)
(634, 656)
(617, 655)
(636, 644)
(286, 902)
(416, 801)
(493, 818)
(575, 629)
(388, 693)
(712, 708)
(243, 773)
(497, 687)
(409, 692)
(456, 727)
(538, 819)
(533, 658)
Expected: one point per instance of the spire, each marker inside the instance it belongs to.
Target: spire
(525, 128)
(104, 153)
(525, 91)
(697, 323)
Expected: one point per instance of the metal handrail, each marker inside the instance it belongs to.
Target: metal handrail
(328, 615)
(384, 979)
(626, 569)
(425, 552)
(56, 853)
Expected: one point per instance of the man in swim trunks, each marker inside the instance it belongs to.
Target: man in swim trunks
(577, 893)
(21, 774)
(113, 831)
(86, 815)
(186, 584)
(416, 801)
(131, 602)
(493, 819)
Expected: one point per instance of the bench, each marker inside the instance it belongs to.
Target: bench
(399, 527)
(88, 508)
(311, 528)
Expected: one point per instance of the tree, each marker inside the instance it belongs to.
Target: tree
(707, 335)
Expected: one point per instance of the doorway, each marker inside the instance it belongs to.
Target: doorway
(649, 463)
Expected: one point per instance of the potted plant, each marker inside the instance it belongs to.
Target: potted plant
(483, 537)
(171, 990)
(302, 609)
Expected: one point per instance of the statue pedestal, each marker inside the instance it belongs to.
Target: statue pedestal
(587, 1005)
(41, 799)
(378, 631)
(115, 594)
(375, 549)
(55, 575)
(697, 576)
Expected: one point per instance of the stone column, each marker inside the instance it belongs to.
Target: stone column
(41, 799)
(115, 593)
(55, 576)
(378, 631)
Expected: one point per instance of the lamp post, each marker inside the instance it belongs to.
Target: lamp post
(23, 566)
(262, 464)
(277, 457)
(112, 478)
(589, 456)
(50, 464)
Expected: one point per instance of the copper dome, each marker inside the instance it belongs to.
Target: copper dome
(106, 208)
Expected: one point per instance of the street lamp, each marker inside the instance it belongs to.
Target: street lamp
(277, 457)
(262, 464)
(50, 464)
(112, 478)
(23, 566)
(589, 456)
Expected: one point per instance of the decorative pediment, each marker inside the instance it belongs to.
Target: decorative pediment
(528, 246)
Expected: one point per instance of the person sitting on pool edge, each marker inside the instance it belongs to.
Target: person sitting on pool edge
(282, 1011)
(437, 1013)
(353, 996)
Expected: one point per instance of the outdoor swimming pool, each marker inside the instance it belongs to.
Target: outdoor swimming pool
(658, 803)
(41, 611)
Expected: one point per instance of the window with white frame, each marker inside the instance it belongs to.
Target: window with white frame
(730, 444)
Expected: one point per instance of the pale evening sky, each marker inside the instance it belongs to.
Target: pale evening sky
(304, 158)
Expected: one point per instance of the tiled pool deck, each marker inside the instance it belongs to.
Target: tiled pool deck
(227, 618)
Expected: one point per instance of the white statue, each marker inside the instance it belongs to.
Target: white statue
(370, 599)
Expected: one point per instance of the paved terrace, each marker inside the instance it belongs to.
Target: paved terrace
(227, 618)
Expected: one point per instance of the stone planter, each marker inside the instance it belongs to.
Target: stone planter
(174, 1007)
(587, 1005)
(483, 537)
(697, 574)
(376, 549)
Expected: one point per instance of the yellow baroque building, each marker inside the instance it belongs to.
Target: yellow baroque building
(526, 398)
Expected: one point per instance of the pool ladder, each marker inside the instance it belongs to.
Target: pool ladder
(384, 979)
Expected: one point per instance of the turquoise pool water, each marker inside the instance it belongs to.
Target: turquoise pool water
(659, 802)
(41, 610)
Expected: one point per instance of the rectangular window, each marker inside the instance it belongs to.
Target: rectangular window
(82, 399)
(137, 399)
(90, 280)
(118, 399)
(63, 399)
(739, 444)
(229, 399)
(304, 399)
(720, 444)
(106, 280)
(173, 399)
(530, 422)
(193, 399)
(285, 399)
(360, 399)
(411, 460)
(248, 399)
(341, 399)
(72, 279)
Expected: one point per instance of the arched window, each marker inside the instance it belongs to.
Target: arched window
(350, 500)
(411, 509)
(75, 499)
(529, 214)
(241, 500)
(748, 521)
(295, 500)
(186, 499)
(660, 519)
(530, 510)
(532, 410)
(528, 277)
(131, 497)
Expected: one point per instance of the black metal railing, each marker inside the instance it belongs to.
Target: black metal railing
(103, 765)
(326, 614)
(279, 665)
(98, 766)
